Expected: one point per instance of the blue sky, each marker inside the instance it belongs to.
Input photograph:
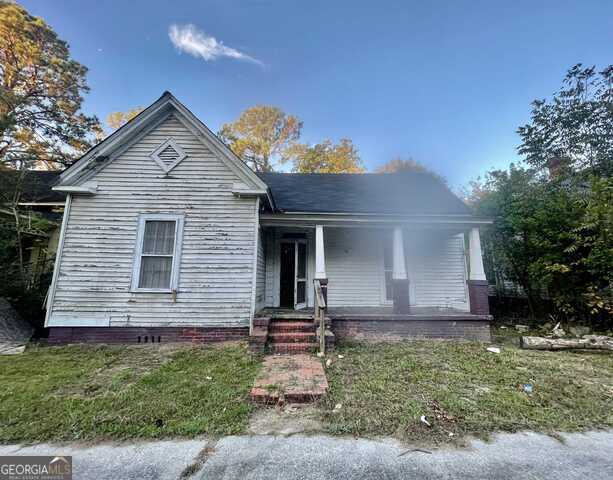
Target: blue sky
(446, 83)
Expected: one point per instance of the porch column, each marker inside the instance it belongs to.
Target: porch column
(477, 283)
(320, 261)
(400, 280)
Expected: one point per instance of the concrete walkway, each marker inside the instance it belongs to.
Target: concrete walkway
(508, 456)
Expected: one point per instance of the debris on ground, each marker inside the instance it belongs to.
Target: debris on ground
(587, 342)
(328, 362)
(527, 387)
(579, 331)
(522, 328)
(15, 332)
(558, 331)
(424, 421)
(493, 349)
(11, 348)
(341, 356)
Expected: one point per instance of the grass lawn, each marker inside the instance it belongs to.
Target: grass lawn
(97, 392)
(124, 392)
(463, 389)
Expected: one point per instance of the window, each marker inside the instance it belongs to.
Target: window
(156, 266)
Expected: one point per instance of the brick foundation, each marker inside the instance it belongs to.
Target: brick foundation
(479, 301)
(61, 335)
(401, 296)
(386, 329)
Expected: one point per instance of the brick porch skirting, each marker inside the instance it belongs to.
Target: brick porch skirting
(382, 329)
(61, 335)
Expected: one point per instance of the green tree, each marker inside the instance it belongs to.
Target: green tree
(41, 91)
(574, 130)
(261, 136)
(116, 120)
(326, 157)
(551, 236)
(399, 164)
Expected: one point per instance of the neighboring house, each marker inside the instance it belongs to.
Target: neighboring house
(167, 235)
(37, 198)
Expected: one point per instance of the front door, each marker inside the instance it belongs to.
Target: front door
(293, 274)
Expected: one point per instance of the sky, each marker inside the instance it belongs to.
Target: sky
(444, 83)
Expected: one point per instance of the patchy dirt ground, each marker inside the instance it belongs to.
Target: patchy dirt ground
(287, 420)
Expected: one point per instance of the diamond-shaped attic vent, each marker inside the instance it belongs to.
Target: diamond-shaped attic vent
(168, 155)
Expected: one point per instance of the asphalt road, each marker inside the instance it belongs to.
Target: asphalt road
(507, 456)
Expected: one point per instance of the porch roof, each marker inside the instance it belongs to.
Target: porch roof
(405, 193)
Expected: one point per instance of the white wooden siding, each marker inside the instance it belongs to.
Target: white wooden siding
(437, 270)
(216, 270)
(354, 264)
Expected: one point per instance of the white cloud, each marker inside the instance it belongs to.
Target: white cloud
(188, 39)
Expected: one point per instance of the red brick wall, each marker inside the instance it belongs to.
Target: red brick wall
(384, 329)
(60, 335)
(479, 300)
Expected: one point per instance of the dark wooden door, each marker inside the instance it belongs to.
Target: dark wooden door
(288, 275)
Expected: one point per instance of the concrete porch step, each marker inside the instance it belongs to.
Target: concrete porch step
(293, 347)
(292, 316)
(292, 337)
(279, 326)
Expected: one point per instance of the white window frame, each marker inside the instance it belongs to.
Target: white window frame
(176, 255)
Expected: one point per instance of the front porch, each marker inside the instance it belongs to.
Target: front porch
(379, 278)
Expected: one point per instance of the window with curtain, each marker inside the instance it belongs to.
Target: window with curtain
(157, 263)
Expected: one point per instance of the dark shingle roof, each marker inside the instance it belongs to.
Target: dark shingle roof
(406, 193)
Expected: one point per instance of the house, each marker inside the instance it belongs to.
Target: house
(168, 236)
(37, 200)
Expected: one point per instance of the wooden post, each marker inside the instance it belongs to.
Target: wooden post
(477, 283)
(320, 261)
(475, 256)
(400, 279)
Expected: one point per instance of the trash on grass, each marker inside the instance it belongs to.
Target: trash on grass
(558, 332)
(328, 362)
(208, 378)
(423, 420)
(341, 356)
(527, 387)
(493, 349)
